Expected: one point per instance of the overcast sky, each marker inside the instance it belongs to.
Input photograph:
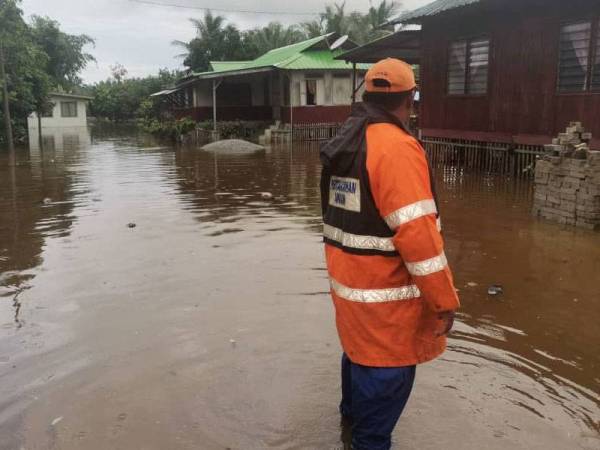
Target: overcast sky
(139, 35)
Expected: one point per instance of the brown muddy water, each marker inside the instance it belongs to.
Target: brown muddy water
(208, 325)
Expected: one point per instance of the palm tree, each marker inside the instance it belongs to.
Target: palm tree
(274, 35)
(335, 18)
(314, 28)
(363, 28)
(377, 16)
(209, 43)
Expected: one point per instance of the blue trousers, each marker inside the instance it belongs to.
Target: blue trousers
(373, 399)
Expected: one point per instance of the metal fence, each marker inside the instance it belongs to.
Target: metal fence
(315, 131)
(489, 157)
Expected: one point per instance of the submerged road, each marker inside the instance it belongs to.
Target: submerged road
(151, 298)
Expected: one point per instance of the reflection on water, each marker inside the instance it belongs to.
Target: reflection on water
(209, 322)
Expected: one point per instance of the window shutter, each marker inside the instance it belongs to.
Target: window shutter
(479, 55)
(574, 57)
(457, 62)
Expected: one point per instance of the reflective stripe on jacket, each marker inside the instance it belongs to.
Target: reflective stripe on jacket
(385, 255)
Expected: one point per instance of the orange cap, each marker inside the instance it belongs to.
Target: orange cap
(390, 75)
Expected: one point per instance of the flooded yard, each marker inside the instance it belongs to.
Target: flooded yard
(152, 298)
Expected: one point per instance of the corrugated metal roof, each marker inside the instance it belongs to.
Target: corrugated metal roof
(220, 66)
(67, 95)
(319, 60)
(405, 45)
(312, 54)
(432, 9)
(281, 56)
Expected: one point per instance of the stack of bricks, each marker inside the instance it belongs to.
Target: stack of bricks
(567, 180)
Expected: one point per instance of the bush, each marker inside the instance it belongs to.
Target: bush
(172, 130)
(240, 129)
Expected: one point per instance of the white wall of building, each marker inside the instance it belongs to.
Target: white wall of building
(203, 94)
(332, 89)
(58, 119)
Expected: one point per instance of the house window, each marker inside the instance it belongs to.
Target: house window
(311, 92)
(468, 62)
(68, 109)
(579, 57)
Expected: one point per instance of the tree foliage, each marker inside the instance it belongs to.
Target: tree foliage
(66, 53)
(120, 99)
(26, 79)
(214, 41)
(39, 57)
(217, 40)
(260, 40)
(361, 28)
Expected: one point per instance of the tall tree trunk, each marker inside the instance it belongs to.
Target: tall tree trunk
(6, 108)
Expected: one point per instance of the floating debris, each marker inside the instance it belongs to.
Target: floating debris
(47, 201)
(495, 289)
(56, 421)
(266, 196)
(472, 284)
(131, 225)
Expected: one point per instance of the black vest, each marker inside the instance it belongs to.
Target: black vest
(347, 201)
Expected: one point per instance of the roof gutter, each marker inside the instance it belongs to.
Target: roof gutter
(227, 73)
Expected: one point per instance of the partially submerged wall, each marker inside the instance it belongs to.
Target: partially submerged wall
(567, 181)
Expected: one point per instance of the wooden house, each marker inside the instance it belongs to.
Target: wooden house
(512, 72)
(299, 83)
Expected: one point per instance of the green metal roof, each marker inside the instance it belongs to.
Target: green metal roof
(320, 60)
(220, 66)
(312, 54)
(432, 9)
(282, 56)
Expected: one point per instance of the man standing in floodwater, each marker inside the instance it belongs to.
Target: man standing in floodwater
(391, 285)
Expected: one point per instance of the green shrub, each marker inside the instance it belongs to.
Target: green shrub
(240, 129)
(172, 130)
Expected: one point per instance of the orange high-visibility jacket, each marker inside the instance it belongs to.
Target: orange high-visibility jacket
(388, 272)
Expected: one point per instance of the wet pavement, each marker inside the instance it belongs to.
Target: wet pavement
(208, 324)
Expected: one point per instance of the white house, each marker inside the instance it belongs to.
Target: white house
(69, 110)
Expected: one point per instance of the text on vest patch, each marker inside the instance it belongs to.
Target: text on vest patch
(345, 193)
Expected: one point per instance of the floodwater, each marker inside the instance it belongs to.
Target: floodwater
(208, 324)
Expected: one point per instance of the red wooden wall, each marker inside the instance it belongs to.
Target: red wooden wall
(316, 114)
(522, 97)
(302, 114)
(205, 113)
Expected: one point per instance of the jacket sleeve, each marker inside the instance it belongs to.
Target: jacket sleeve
(401, 188)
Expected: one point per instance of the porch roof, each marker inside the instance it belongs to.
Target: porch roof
(405, 45)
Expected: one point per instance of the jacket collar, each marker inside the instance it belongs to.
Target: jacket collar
(374, 113)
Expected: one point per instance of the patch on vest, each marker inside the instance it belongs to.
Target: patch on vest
(345, 193)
